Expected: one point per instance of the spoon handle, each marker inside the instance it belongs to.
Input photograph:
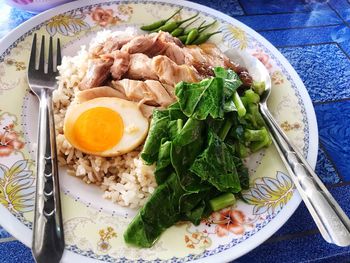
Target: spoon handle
(330, 219)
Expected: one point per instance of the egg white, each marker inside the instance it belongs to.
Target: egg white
(135, 124)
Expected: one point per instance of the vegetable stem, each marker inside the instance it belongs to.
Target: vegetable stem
(255, 135)
(241, 150)
(256, 117)
(259, 87)
(159, 23)
(224, 131)
(222, 201)
(251, 96)
(180, 30)
(188, 19)
(180, 125)
(239, 105)
(166, 20)
(266, 141)
(202, 28)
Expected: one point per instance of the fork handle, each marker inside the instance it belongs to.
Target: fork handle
(48, 237)
(330, 219)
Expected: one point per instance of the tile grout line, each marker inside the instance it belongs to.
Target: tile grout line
(299, 27)
(330, 101)
(305, 45)
(293, 235)
(336, 11)
(276, 13)
(346, 54)
(328, 257)
(7, 239)
(240, 4)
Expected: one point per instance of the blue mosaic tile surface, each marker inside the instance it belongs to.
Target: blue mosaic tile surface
(334, 125)
(286, 21)
(340, 7)
(15, 252)
(273, 6)
(314, 35)
(325, 167)
(302, 36)
(302, 246)
(322, 68)
(231, 8)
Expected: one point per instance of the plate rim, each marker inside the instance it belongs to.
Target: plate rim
(21, 232)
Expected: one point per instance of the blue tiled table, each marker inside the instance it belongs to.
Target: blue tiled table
(314, 35)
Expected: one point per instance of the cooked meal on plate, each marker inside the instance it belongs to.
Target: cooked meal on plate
(160, 123)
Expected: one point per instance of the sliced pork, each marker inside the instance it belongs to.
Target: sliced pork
(103, 91)
(175, 53)
(139, 44)
(159, 57)
(149, 92)
(160, 93)
(106, 91)
(151, 45)
(97, 73)
(170, 73)
(120, 65)
(140, 67)
(110, 45)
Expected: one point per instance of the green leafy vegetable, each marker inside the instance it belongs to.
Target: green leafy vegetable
(216, 165)
(147, 226)
(164, 168)
(158, 130)
(197, 145)
(198, 100)
(210, 97)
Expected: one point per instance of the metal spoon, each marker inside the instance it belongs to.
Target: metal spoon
(330, 219)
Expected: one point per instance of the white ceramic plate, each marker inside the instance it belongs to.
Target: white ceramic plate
(94, 226)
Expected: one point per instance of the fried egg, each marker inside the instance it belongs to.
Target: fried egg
(105, 126)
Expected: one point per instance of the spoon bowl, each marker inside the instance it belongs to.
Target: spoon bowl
(331, 220)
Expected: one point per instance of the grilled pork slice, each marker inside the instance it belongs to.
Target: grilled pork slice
(106, 91)
(170, 73)
(140, 67)
(139, 44)
(110, 45)
(161, 68)
(135, 90)
(97, 73)
(151, 45)
(203, 57)
(150, 92)
(162, 41)
(159, 91)
(175, 53)
(120, 65)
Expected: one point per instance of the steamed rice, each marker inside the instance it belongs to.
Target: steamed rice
(125, 179)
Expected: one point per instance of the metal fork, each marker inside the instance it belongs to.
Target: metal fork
(48, 238)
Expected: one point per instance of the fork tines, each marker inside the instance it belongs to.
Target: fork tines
(51, 66)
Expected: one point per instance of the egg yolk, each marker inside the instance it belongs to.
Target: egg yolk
(98, 129)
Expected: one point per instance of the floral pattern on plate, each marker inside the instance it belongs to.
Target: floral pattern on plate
(98, 235)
